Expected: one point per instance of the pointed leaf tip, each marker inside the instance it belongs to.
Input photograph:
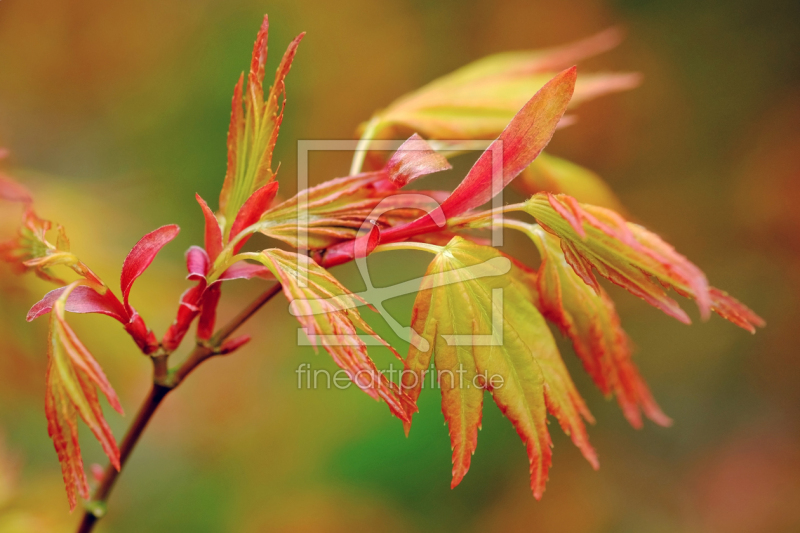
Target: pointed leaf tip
(590, 321)
(624, 253)
(82, 299)
(520, 143)
(213, 233)
(415, 158)
(252, 210)
(143, 254)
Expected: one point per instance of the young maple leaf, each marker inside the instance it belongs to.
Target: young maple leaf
(32, 251)
(589, 319)
(96, 297)
(253, 130)
(474, 317)
(518, 145)
(594, 238)
(202, 299)
(478, 100)
(327, 311)
(338, 209)
(73, 377)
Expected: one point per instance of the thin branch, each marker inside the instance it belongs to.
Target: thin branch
(209, 349)
(163, 385)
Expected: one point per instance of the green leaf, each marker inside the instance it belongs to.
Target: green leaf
(479, 99)
(474, 317)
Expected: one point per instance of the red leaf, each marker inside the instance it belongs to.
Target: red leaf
(82, 299)
(517, 146)
(244, 270)
(731, 309)
(252, 210)
(235, 132)
(255, 78)
(197, 263)
(188, 310)
(208, 312)
(213, 233)
(415, 158)
(279, 88)
(142, 255)
(63, 430)
(523, 139)
(234, 344)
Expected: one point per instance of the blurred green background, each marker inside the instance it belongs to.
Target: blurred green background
(116, 114)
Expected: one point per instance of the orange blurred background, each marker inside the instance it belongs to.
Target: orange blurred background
(116, 113)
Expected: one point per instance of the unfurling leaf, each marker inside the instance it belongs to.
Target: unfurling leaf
(31, 249)
(202, 299)
(520, 143)
(137, 261)
(517, 146)
(327, 311)
(474, 317)
(589, 319)
(253, 131)
(73, 377)
(213, 233)
(415, 158)
(142, 255)
(555, 175)
(82, 299)
(478, 100)
(632, 257)
(96, 297)
(337, 209)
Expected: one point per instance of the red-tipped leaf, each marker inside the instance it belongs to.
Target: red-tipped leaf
(142, 255)
(415, 158)
(82, 299)
(213, 233)
(252, 210)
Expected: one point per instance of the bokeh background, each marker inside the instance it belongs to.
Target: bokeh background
(116, 114)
